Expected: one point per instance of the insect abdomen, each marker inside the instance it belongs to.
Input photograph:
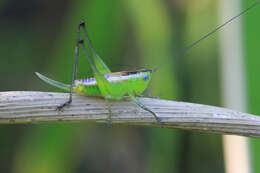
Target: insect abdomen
(87, 87)
(87, 90)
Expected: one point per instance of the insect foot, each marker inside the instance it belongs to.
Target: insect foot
(60, 108)
(159, 121)
(82, 23)
(155, 97)
(80, 40)
(109, 123)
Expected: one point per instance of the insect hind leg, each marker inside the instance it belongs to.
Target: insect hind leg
(60, 107)
(74, 72)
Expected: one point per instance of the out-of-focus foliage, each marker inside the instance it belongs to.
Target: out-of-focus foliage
(252, 60)
(39, 35)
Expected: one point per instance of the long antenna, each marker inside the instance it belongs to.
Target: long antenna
(210, 33)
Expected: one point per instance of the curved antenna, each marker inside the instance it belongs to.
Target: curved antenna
(209, 34)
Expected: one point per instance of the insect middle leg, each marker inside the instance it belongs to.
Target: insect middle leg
(109, 120)
(108, 98)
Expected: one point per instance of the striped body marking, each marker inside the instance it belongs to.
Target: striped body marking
(89, 86)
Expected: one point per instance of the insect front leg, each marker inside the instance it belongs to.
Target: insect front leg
(149, 95)
(141, 105)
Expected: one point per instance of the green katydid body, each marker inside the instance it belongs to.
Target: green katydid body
(104, 83)
(122, 82)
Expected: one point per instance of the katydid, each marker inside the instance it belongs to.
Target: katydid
(115, 85)
(111, 86)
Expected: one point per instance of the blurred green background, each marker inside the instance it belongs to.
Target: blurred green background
(38, 35)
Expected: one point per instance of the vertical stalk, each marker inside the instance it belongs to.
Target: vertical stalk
(236, 149)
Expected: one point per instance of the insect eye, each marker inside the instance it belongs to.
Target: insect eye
(145, 78)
